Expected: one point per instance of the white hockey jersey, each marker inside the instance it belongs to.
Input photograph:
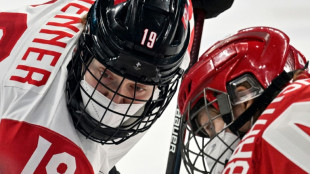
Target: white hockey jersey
(280, 139)
(36, 131)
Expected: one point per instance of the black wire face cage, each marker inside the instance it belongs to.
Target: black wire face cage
(128, 124)
(195, 156)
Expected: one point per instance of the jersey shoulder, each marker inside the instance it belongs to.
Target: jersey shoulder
(288, 134)
(278, 141)
(29, 148)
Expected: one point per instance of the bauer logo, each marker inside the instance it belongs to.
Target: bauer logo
(175, 131)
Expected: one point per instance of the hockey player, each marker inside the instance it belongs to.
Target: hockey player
(77, 97)
(251, 86)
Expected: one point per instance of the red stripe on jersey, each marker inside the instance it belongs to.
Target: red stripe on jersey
(272, 161)
(13, 25)
(304, 128)
(190, 9)
(119, 1)
(270, 150)
(49, 2)
(191, 21)
(185, 17)
(29, 148)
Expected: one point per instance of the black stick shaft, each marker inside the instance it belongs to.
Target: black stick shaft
(174, 158)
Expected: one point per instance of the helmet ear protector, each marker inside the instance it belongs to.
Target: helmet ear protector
(263, 100)
(254, 89)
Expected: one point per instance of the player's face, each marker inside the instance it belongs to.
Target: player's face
(240, 108)
(211, 119)
(114, 82)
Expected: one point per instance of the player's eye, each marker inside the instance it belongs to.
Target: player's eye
(138, 88)
(106, 74)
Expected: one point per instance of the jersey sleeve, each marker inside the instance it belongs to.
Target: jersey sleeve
(278, 142)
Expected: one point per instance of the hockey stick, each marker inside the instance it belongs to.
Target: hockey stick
(174, 157)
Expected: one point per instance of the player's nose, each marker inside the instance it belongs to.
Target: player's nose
(120, 96)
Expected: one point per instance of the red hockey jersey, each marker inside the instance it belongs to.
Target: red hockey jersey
(280, 139)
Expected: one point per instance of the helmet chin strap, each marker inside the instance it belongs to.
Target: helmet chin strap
(261, 102)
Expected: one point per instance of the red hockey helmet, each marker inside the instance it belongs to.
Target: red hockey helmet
(260, 52)
(256, 57)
